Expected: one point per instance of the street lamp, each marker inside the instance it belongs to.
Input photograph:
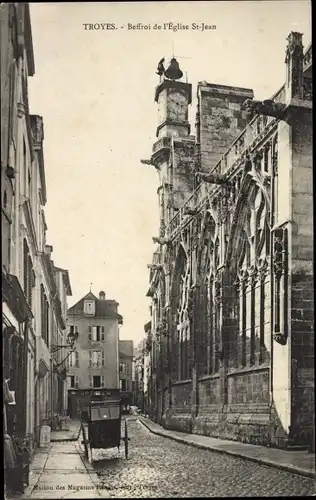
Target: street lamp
(71, 339)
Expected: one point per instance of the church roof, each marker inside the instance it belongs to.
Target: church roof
(103, 308)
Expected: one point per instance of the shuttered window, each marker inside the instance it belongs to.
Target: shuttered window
(95, 359)
(74, 359)
(90, 381)
(44, 316)
(28, 274)
(96, 333)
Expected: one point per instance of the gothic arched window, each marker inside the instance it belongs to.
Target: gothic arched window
(181, 322)
(252, 249)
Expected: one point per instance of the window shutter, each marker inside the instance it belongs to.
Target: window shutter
(102, 336)
(90, 359)
(89, 337)
(90, 381)
(89, 329)
(77, 359)
(76, 381)
(29, 280)
(25, 266)
(102, 380)
(103, 358)
(102, 329)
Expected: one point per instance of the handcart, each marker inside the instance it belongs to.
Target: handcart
(101, 426)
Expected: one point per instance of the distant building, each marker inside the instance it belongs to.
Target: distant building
(94, 365)
(126, 356)
(141, 374)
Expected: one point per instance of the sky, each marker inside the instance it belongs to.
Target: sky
(95, 91)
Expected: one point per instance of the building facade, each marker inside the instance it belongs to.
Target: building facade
(126, 361)
(94, 364)
(231, 280)
(141, 374)
(30, 297)
(126, 356)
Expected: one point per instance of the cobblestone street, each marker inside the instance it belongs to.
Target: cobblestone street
(159, 467)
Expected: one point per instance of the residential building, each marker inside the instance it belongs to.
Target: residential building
(30, 299)
(126, 356)
(231, 280)
(126, 361)
(60, 348)
(94, 365)
(141, 358)
(17, 316)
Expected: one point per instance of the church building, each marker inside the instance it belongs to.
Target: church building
(231, 281)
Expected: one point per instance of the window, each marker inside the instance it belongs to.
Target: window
(123, 368)
(28, 274)
(73, 329)
(89, 307)
(96, 381)
(122, 385)
(5, 200)
(74, 360)
(44, 316)
(96, 359)
(96, 333)
(73, 381)
(25, 170)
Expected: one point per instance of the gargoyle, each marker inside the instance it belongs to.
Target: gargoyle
(266, 108)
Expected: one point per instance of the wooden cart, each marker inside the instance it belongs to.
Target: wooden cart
(101, 427)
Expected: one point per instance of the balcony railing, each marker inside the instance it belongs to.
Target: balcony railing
(308, 58)
(253, 134)
(162, 143)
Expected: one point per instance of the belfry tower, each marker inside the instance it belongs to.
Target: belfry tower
(173, 96)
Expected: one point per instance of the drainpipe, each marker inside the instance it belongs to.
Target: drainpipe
(25, 377)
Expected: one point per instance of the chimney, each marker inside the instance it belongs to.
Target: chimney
(102, 295)
(48, 250)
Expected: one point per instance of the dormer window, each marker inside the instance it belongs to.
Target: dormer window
(89, 308)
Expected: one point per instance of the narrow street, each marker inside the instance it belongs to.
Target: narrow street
(159, 467)
(157, 250)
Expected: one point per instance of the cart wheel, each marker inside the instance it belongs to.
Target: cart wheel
(85, 444)
(126, 441)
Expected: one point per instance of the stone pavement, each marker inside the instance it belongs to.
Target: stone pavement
(69, 434)
(59, 471)
(298, 462)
